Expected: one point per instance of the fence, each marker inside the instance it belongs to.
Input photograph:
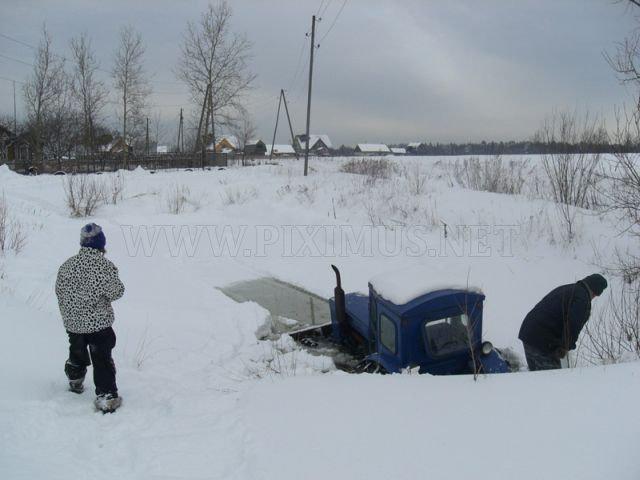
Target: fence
(110, 162)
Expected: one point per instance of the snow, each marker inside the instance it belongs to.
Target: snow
(403, 285)
(281, 150)
(563, 424)
(398, 151)
(205, 398)
(5, 172)
(373, 148)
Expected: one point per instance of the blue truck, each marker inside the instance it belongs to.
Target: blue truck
(438, 332)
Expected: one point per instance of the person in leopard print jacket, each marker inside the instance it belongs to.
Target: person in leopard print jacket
(86, 285)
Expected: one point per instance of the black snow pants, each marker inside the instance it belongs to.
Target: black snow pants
(537, 360)
(88, 348)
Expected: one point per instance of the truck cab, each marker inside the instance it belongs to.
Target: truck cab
(438, 331)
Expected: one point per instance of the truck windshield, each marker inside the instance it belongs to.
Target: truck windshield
(447, 335)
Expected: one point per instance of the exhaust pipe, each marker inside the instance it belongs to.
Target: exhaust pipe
(341, 310)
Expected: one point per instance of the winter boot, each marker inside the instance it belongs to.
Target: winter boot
(76, 386)
(108, 402)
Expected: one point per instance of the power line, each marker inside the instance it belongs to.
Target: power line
(17, 41)
(16, 60)
(298, 63)
(325, 8)
(344, 3)
(10, 80)
(108, 72)
(320, 8)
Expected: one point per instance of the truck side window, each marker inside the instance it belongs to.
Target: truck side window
(387, 333)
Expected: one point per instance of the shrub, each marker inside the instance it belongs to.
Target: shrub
(372, 168)
(614, 335)
(571, 172)
(238, 196)
(491, 175)
(178, 198)
(116, 188)
(83, 194)
(12, 234)
(416, 178)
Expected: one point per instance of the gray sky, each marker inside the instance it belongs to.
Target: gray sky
(388, 71)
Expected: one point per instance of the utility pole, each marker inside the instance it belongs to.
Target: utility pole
(15, 118)
(293, 138)
(146, 144)
(276, 128)
(181, 134)
(313, 46)
(281, 100)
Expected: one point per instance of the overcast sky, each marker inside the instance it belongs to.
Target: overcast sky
(388, 71)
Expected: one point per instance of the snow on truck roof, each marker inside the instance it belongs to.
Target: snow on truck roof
(404, 285)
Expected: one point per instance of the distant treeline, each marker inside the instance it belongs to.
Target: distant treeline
(505, 148)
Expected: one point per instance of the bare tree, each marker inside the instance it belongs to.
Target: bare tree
(158, 128)
(244, 130)
(43, 90)
(214, 59)
(131, 83)
(61, 132)
(89, 93)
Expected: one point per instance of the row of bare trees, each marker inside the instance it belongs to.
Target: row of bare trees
(65, 100)
(66, 97)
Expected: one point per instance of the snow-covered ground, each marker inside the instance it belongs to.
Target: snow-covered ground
(204, 398)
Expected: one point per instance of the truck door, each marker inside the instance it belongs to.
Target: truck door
(373, 325)
(388, 335)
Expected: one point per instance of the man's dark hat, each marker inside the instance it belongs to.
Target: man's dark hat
(596, 283)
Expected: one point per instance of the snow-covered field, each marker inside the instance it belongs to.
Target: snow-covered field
(205, 398)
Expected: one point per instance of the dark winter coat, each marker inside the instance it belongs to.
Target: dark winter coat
(87, 283)
(556, 321)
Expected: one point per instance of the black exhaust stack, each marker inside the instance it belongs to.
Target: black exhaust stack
(338, 293)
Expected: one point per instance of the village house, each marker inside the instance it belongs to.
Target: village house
(255, 147)
(117, 145)
(225, 144)
(281, 151)
(413, 147)
(13, 148)
(372, 149)
(319, 144)
(398, 150)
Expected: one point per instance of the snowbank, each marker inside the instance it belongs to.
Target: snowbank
(6, 172)
(564, 424)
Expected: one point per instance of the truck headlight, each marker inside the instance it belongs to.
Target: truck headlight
(487, 348)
